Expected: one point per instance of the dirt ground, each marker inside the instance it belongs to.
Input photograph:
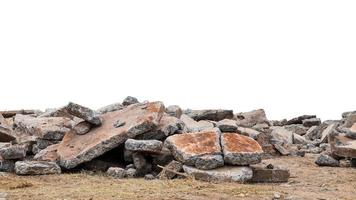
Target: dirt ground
(307, 181)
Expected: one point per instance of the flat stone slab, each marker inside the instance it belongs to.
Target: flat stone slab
(262, 174)
(174, 166)
(5, 131)
(192, 126)
(227, 125)
(210, 114)
(146, 146)
(251, 118)
(13, 152)
(116, 127)
(222, 174)
(84, 113)
(36, 168)
(343, 146)
(187, 147)
(240, 150)
(281, 135)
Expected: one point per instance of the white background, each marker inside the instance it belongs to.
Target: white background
(288, 57)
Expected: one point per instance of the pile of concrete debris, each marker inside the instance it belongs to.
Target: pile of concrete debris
(133, 139)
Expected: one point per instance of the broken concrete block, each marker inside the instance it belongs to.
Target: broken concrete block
(281, 135)
(326, 160)
(36, 168)
(146, 146)
(209, 162)
(172, 166)
(82, 127)
(139, 118)
(342, 146)
(298, 139)
(83, 113)
(110, 108)
(6, 165)
(240, 150)
(116, 172)
(192, 126)
(5, 131)
(48, 154)
(248, 132)
(299, 120)
(325, 134)
(214, 115)
(311, 122)
(129, 100)
(251, 118)
(222, 174)
(13, 152)
(174, 111)
(297, 129)
(227, 125)
(262, 174)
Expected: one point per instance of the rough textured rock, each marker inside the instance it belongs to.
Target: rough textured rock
(116, 172)
(214, 115)
(149, 177)
(326, 160)
(84, 113)
(149, 146)
(350, 120)
(298, 139)
(174, 111)
(36, 168)
(249, 119)
(299, 120)
(50, 128)
(227, 125)
(240, 150)
(192, 126)
(129, 100)
(325, 134)
(209, 162)
(48, 154)
(173, 166)
(297, 129)
(6, 165)
(187, 147)
(342, 146)
(141, 164)
(222, 174)
(139, 118)
(5, 131)
(248, 132)
(110, 108)
(313, 133)
(13, 152)
(265, 174)
(130, 173)
(282, 135)
(82, 127)
(311, 122)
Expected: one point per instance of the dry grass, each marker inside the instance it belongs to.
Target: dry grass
(310, 182)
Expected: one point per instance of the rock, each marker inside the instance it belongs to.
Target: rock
(116, 172)
(82, 128)
(129, 100)
(313, 133)
(110, 108)
(6, 165)
(49, 128)
(298, 139)
(240, 150)
(148, 146)
(342, 146)
(326, 133)
(13, 152)
(281, 135)
(139, 118)
(192, 126)
(350, 120)
(83, 113)
(5, 131)
(227, 125)
(209, 162)
(248, 132)
(48, 154)
(56, 112)
(346, 114)
(351, 132)
(261, 127)
(130, 166)
(173, 166)
(278, 122)
(222, 174)
(325, 160)
(249, 119)
(187, 147)
(264, 140)
(311, 122)
(141, 164)
(214, 115)
(36, 168)
(299, 120)
(297, 129)
(163, 158)
(174, 111)
(283, 149)
(263, 174)
(130, 173)
(149, 177)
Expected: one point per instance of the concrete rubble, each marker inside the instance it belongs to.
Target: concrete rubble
(148, 140)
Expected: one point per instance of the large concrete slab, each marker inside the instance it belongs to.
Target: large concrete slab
(116, 127)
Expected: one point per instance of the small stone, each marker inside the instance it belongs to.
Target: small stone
(282, 135)
(298, 139)
(227, 125)
(209, 162)
(13, 152)
(149, 177)
(325, 160)
(36, 168)
(173, 166)
(174, 111)
(82, 128)
(83, 113)
(116, 172)
(129, 100)
(118, 124)
(110, 108)
(149, 146)
(311, 122)
(222, 174)
(276, 196)
(130, 173)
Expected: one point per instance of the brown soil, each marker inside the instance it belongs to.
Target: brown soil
(307, 181)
